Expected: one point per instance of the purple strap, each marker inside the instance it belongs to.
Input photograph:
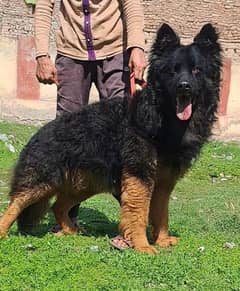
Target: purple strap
(87, 30)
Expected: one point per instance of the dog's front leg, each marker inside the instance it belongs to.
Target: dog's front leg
(159, 213)
(135, 202)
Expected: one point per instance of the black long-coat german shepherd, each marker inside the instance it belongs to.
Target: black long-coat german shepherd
(135, 150)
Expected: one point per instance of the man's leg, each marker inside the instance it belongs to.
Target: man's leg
(113, 80)
(74, 78)
(113, 76)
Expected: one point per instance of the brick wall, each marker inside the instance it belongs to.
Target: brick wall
(186, 16)
(16, 18)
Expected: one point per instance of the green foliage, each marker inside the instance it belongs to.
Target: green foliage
(204, 213)
(17, 136)
(218, 161)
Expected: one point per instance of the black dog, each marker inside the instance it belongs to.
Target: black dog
(135, 150)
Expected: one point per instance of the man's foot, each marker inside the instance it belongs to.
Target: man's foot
(119, 243)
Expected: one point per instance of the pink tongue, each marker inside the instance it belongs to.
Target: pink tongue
(186, 113)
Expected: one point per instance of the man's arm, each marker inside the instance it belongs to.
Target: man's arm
(43, 22)
(46, 72)
(134, 17)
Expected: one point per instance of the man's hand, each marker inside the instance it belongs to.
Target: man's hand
(46, 71)
(137, 62)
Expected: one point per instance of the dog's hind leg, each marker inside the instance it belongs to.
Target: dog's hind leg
(135, 201)
(61, 209)
(20, 201)
(159, 212)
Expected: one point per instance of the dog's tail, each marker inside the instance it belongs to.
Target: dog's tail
(31, 215)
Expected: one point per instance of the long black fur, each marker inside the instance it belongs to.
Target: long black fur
(113, 135)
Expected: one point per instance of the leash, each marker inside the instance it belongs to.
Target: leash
(133, 82)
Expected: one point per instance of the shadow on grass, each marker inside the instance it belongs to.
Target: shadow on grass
(94, 222)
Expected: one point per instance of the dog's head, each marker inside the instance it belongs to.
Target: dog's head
(186, 75)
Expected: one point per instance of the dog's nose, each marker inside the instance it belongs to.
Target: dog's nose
(184, 86)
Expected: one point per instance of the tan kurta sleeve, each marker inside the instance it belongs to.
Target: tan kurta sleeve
(134, 16)
(43, 21)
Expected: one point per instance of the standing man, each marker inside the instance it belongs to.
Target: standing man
(98, 41)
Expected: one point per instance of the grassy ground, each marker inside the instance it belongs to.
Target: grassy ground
(204, 213)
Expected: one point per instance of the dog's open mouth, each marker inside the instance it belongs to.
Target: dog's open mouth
(184, 108)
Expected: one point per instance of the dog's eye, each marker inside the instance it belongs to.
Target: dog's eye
(168, 71)
(195, 71)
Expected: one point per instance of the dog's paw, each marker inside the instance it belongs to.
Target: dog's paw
(75, 229)
(3, 234)
(167, 241)
(146, 249)
(58, 233)
(67, 231)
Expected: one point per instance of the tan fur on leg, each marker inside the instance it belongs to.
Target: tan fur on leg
(61, 208)
(77, 187)
(159, 210)
(10, 215)
(135, 202)
(18, 203)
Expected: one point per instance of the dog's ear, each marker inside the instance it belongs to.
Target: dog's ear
(166, 39)
(207, 42)
(207, 37)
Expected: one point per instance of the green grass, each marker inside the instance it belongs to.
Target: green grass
(204, 212)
